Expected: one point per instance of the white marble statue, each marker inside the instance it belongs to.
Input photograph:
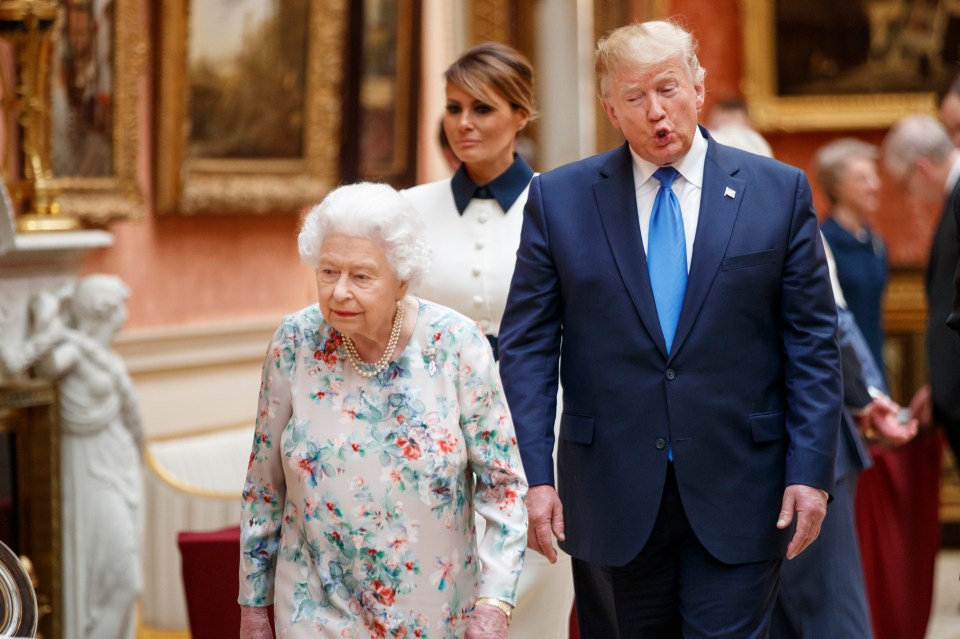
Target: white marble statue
(101, 444)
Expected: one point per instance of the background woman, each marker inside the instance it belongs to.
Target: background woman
(847, 172)
(473, 224)
(897, 509)
(382, 428)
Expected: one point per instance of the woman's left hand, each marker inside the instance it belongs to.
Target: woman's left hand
(487, 622)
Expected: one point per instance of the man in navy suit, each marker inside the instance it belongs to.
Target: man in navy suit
(696, 447)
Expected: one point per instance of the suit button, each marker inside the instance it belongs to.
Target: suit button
(661, 443)
(670, 374)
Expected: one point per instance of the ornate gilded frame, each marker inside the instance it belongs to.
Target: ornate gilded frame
(770, 111)
(97, 200)
(263, 185)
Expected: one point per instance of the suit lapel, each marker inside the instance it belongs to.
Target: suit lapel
(617, 205)
(719, 205)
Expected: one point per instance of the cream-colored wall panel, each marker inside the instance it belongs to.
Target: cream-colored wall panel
(197, 378)
(198, 400)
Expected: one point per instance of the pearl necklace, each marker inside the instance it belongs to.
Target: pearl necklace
(366, 370)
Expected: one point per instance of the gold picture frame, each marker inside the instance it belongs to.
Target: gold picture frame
(388, 80)
(771, 111)
(249, 185)
(113, 192)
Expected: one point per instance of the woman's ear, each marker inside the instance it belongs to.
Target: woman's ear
(522, 118)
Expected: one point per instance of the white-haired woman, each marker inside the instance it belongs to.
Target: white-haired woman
(381, 428)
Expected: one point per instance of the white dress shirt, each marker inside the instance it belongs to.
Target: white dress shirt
(687, 186)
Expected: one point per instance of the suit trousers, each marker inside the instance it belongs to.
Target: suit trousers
(675, 588)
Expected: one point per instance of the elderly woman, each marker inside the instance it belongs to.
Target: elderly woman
(892, 503)
(473, 224)
(382, 427)
(846, 170)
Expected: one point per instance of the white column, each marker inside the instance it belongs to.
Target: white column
(443, 37)
(566, 95)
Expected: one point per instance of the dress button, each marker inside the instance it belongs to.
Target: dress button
(670, 374)
(661, 443)
(476, 271)
(478, 300)
(485, 325)
(479, 245)
(482, 218)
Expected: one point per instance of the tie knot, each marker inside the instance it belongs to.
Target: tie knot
(666, 175)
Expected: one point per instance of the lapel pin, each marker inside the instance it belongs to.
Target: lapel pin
(728, 192)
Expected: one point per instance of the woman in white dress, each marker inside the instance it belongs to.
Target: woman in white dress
(365, 478)
(473, 224)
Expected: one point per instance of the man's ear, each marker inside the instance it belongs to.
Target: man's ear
(611, 113)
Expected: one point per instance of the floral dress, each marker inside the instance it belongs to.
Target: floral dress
(358, 508)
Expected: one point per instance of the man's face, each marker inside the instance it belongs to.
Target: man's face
(656, 107)
(950, 116)
(919, 181)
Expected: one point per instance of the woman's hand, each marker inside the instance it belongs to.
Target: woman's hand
(881, 423)
(255, 623)
(486, 622)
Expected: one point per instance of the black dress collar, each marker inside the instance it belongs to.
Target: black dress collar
(505, 188)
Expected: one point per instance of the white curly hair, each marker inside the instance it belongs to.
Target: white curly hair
(376, 212)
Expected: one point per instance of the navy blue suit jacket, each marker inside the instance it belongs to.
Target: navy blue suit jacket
(750, 396)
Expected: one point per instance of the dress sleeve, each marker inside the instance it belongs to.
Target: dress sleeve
(264, 491)
(500, 484)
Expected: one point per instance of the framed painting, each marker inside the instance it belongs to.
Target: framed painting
(822, 64)
(96, 57)
(387, 132)
(249, 104)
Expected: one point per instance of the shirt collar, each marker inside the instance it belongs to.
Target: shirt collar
(689, 166)
(505, 188)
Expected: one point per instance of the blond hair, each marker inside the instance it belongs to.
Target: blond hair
(645, 44)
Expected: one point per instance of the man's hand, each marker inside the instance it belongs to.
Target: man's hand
(545, 514)
(487, 622)
(880, 423)
(255, 623)
(810, 506)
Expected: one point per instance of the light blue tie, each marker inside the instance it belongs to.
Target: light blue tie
(667, 254)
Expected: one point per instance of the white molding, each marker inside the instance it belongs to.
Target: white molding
(195, 346)
(197, 378)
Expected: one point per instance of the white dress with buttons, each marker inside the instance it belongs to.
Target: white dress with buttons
(473, 254)
(473, 259)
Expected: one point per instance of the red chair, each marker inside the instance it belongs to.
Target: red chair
(210, 564)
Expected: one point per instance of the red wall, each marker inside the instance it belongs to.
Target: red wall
(907, 226)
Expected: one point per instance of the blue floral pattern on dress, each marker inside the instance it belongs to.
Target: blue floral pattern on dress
(358, 505)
